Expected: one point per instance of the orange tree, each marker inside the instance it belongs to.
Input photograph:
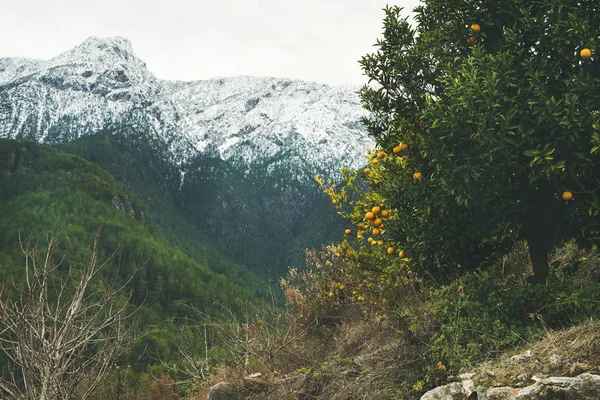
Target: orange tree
(487, 117)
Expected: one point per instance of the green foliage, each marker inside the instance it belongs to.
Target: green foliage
(499, 123)
(225, 217)
(43, 192)
(474, 318)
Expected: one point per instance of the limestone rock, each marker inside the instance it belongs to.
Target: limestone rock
(497, 393)
(223, 391)
(583, 387)
(522, 357)
(453, 391)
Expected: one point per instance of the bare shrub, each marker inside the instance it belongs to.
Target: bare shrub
(62, 330)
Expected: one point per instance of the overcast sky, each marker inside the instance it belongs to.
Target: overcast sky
(317, 40)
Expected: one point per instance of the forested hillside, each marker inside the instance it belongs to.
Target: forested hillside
(263, 221)
(44, 193)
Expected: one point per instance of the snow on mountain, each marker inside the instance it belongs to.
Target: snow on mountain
(101, 85)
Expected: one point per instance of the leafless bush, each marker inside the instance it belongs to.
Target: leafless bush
(62, 329)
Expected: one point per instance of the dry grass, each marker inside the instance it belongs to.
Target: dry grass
(568, 352)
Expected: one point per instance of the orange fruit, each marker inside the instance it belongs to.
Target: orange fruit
(567, 196)
(586, 53)
(371, 222)
(360, 298)
(397, 149)
(376, 210)
(367, 170)
(404, 146)
(381, 154)
(391, 250)
(401, 254)
(376, 232)
(369, 215)
(334, 201)
(417, 175)
(347, 231)
(331, 294)
(359, 236)
(471, 41)
(370, 239)
(380, 243)
(378, 222)
(373, 242)
(342, 286)
(375, 162)
(385, 213)
(475, 28)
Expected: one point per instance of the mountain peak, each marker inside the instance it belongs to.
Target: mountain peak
(261, 122)
(96, 50)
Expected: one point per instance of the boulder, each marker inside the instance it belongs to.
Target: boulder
(223, 391)
(582, 387)
(453, 391)
(497, 393)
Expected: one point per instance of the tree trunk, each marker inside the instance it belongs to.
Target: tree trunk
(538, 251)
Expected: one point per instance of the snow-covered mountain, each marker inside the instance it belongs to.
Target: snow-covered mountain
(101, 86)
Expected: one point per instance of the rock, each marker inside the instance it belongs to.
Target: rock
(497, 393)
(223, 391)
(582, 387)
(453, 391)
(522, 357)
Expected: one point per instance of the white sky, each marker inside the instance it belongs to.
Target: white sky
(316, 40)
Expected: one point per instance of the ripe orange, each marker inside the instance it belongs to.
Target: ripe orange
(331, 294)
(401, 254)
(381, 154)
(367, 170)
(373, 242)
(391, 250)
(567, 196)
(370, 239)
(375, 162)
(334, 201)
(586, 53)
(359, 236)
(475, 28)
(380, 243)
(404, 146)
(417, 175)
(378, 222)
(360, 298)
(376, 232)
(385, 213)
(398, 149)
(371, 222)
(376, 210)
(471, 41)
(369, 215)
(347, 231)
(342, 286)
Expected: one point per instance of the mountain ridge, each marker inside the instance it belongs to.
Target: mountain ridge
(101, 83)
